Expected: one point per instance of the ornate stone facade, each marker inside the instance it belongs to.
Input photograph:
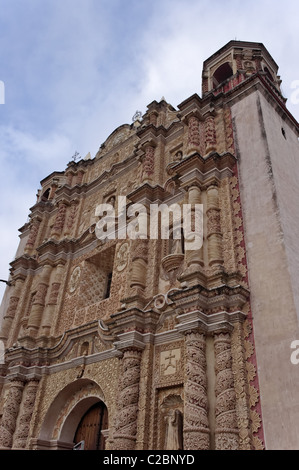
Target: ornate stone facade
(161, 335)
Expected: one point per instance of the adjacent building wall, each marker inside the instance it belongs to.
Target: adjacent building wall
(269, 194)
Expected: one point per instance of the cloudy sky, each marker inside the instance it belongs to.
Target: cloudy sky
(74, 70)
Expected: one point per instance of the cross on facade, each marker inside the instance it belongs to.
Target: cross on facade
(169, 358)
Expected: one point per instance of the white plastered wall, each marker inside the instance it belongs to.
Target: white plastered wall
(269, 175)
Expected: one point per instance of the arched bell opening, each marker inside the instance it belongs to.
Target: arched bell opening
(222, 74)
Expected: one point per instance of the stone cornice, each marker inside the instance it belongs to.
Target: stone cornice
(208, 300)
(148, 193)
(197, 169)
(208, 324)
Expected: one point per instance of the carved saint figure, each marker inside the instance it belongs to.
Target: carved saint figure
(174, 431)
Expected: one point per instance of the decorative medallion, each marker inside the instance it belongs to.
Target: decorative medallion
(75, 277)
(122, 257)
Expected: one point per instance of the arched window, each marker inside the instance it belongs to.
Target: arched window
(46, 195)
(221, 74)
(108, 286)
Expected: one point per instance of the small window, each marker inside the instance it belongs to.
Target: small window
(108, 288)
(46, 195)
(283, 133)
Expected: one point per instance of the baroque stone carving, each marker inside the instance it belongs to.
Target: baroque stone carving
(126, 420)
(193, 133)
(21, 434)
(226, 433)
(10, 414)
(196, 423)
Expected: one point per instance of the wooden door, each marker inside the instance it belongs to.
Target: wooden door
(90, 427)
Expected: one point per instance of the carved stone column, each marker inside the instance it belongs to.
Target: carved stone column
(196, 424)
(148, 162)
(226, 431)
(11, 310)
(22, 431)
(52, 301)
(10, 414)
(38, 303)
(126, 419)
(210, 134)
(71, 217)
(139, 263)
(193, 133)
(34, 229)
(59, 221)
(214, 227)
(193, 257)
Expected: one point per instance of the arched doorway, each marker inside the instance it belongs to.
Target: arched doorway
(66, 412)
(91, 427)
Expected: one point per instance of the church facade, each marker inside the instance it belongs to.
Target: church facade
(136, 344)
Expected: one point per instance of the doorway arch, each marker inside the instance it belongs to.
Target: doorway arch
(66, 412)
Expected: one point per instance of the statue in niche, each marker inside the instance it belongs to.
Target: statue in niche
(174, 430)
(111, 201)
(176, 244)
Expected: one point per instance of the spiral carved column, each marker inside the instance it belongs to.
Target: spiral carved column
(226, 433)
(196, 424)
(34, 229)
(10, 414)
(148, 162)
(59, 221)
(126, 420)
(21, 434)
(210, 134)
(193, 133)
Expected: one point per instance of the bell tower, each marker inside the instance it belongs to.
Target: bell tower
(235, 62)
(244, 77)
